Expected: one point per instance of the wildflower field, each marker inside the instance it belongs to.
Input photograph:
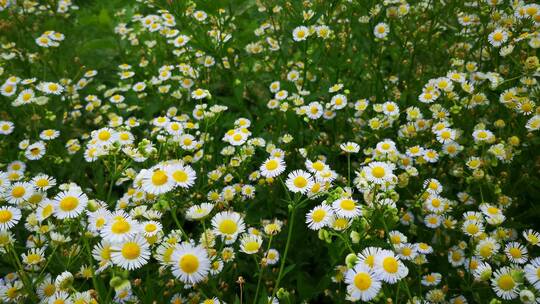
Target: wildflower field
(269, 151)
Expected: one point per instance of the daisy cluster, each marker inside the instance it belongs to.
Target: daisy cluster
(269, 151)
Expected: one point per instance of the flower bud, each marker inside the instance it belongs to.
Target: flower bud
(350, 260)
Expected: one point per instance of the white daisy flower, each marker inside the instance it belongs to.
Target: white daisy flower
(182, 175)
(45, 209)
(498, 37)
(151, 228)
(18, 192)
(504, 284)
(120, 228)
(367, 256)
(319, 217)
(6, 127)
(431, 279)
(363, 283)
(131, 254)
(156, 180)
(198, 212)
(389, 268)
(486, 248)
(350, 147)
(347, 207)
(51, 88)
(299, 181)
(9, 217)
(35, 151)
(98, 219)
(271, 256)
(250, 243)
(199, 94)
(69, 204)
(381, 30)
(516, 252)
(300, 33)
(228, 225)
(339, 101)
(190, 263)
(379, 172)
(532, 273)
(272, 167)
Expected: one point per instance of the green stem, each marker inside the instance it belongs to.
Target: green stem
(348, 170)
(175, 218)
(26, 282)
(284, 259)
(261, 273)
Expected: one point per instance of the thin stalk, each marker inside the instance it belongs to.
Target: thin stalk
(284, 259)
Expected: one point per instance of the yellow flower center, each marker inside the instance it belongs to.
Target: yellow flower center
(33, 258)
(104, 135)
(362, 281)
(69, 203)
(47, 211)
(446, 134)
(347, 204)
(370, 261)
(18, 191)
(180, 176)
(378, 172)
(493, 210)
(5, 216)
(11, 293)
(272, 164)
(100, 222)
(486, 250)
(189, 263)
(49, 290)
(26, 96)
(131, 251)
(120, 226)
(159, 177)
(318, 215)
(506, 282)
(406, 251)
(228, 226)
(472, 229)
(42, 182)
(150, 227)
(318, 165)
(396, 239)
(515, 252)
(237, 137)
(251, 246)
(390, 265)
(300, 181)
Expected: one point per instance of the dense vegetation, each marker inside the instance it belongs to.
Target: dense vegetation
(324, 151)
